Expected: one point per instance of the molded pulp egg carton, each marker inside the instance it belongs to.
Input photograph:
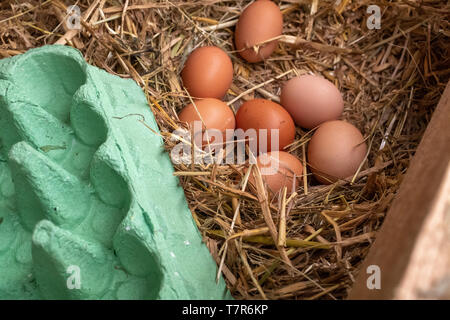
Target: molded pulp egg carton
(87, 190)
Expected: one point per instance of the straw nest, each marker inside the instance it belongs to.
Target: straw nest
(391, 79)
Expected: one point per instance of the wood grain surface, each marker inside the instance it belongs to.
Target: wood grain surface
(412, 248)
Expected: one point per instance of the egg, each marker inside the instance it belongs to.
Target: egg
(280, 169)
(215, 114)
(261, 114)
(260, 21)
(207, 73)
(311, 100)
(335, 151)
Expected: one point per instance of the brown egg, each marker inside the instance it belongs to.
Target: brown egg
(335, 151)
(311, 100)
(215, 115)
(280, 169)
(260, 114)
(207, 73)
(260, 21)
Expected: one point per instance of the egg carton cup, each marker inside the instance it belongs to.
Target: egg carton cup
(89, 206)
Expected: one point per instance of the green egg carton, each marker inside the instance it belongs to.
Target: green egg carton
(89, 206)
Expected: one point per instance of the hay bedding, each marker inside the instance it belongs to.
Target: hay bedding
(390, 79)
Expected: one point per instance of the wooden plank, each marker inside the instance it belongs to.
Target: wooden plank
(412, 248)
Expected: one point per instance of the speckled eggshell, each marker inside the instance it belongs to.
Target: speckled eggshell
(311, 100)
(207, 73)
(260, 21)
(335, 151)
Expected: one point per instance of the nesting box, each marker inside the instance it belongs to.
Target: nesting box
(410, 258)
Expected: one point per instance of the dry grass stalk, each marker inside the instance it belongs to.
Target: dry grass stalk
(390, 79)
